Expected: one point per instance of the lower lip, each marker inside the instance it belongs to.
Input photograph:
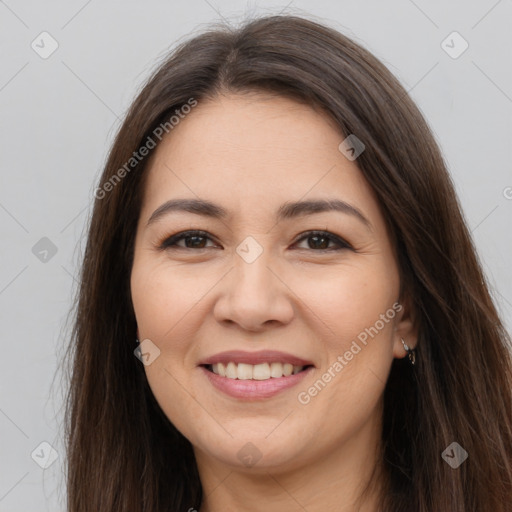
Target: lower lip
(254, 389)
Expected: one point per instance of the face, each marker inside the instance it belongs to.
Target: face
(242, 281)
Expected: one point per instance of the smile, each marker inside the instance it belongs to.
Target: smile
(262, 371)
(251, 389)
(254, 375)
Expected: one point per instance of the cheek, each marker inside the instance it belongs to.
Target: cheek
(166, 299)
(348, 299)
(355, 319)
(163, 295)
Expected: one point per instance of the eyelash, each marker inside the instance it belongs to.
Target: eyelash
(170, 242)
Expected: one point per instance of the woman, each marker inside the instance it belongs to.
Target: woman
(281, 307)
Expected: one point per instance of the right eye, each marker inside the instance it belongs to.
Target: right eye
(194, 239)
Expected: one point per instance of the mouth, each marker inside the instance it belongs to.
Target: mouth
(251, 376)
(258, 372)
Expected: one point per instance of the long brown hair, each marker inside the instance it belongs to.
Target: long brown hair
(123, 452)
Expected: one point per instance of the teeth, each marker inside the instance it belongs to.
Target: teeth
(287, 369)
(263, 371)
(276, 370)
(231, 371)
(244, 371)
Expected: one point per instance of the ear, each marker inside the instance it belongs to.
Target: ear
(406, 327)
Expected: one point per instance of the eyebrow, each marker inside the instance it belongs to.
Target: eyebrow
(286, 211)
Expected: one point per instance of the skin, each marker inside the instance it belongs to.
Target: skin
(250, 153)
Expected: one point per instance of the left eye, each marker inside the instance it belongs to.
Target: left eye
(319, 241)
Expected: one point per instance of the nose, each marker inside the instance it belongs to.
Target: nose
(254, 296)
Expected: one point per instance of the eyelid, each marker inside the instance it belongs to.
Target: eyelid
(338, 240)
(340, 243)
(177, 237)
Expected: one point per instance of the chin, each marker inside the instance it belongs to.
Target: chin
(255, 451)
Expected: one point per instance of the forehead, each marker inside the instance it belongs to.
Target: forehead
(253, 152)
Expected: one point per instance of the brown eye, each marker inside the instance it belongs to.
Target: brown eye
(192, 240)
(319, 241)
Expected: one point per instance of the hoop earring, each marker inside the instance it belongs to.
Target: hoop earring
(410, 352)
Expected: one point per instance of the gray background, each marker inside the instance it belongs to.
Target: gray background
(59, 116)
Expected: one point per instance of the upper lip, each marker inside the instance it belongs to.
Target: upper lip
(262, 356)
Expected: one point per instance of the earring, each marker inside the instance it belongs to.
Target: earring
(410, 352)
